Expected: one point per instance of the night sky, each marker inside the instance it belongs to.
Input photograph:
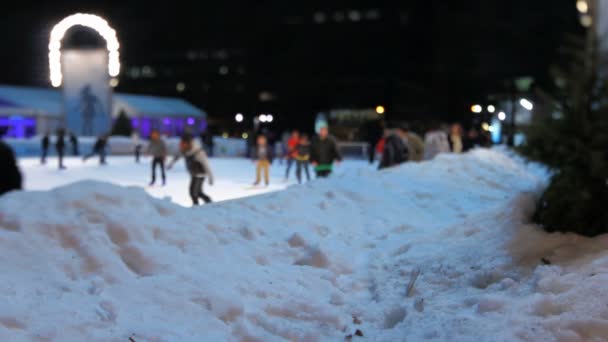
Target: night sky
(420, 59)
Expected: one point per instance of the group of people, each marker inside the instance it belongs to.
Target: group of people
(322, 153)
(399, 144)
(99, 147)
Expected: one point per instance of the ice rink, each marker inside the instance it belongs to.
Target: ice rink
(233, 177)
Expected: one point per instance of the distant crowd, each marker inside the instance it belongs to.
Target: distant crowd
(396, 144)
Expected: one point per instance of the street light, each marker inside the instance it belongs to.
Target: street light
(476, 108)
(502, 116)
(491, 109)
(269, 118)
(582, 6)
(380, 109)
(526, 104)
(239, 117)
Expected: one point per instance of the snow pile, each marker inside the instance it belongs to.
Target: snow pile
(328, 260)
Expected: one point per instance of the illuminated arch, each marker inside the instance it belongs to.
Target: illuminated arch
(88, 20)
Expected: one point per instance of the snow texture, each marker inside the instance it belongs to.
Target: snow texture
(325, 261)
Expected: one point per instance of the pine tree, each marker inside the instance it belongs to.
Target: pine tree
(122, 125)
(574, 144)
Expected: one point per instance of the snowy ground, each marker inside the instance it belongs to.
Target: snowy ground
(234, 177)
(326, 261)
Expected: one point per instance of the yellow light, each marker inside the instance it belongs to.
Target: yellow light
(582, 6)
(245, 135)
(380, 110)
(225, 135)
(88, 20)
(485, 126)
(476, 108)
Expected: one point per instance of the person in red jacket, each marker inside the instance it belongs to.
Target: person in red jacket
(292, 151)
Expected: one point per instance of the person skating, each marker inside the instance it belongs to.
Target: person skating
(435, 142)
(303, 158)
(10, 176)
(44, 144)
(415, 145)
(100, 149)
(262, 157)
(74, 143)
(197, 165)
(137, 146)
(290, 157)
(158, 150)
(395, 150)
(324, 152)
(455, 139)
(60, 147)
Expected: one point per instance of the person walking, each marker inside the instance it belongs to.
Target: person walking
(435, 142)
(60, 147)
(262, 157)
(157, 148)
(197, 165)
(395, 150)
(10, 176)
(290, 156)
(324, 153)
(303, 158)
(44, 144)
(99, 148)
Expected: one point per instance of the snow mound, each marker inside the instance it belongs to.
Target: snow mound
(328, 260)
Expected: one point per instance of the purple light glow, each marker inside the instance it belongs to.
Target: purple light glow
(166, 121)
(190, 121)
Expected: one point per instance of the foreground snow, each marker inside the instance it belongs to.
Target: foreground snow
(96, 262)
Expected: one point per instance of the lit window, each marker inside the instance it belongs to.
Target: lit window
(372, 14)
(339, 16)
(319, 17)
(354, 15)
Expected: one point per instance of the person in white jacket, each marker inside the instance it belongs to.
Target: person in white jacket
(197, 165)
(435, 142)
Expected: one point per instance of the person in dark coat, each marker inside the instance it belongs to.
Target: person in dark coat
(100, 149)
(373, 133)
(262, 157)
(10, 176)
(44, 144)
(60, 147)
(303, 157)
(324, 152)
(74, 143)
(197, 165)
(395, 150)
(158, 149)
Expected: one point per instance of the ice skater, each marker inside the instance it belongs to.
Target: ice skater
(324, 152)
(100, 149)
(44, 144)
(197, 165)
(74, 142)
(262, 157)
(137, 146)
(290, 156)
(158, 149)
(303, 158)
(60, 147)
